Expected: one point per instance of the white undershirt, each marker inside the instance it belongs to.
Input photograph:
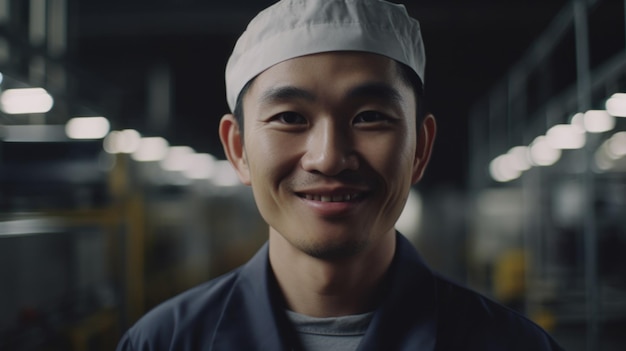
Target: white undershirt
(332, 333)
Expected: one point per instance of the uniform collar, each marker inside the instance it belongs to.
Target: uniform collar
(254, 319)
(407, 318)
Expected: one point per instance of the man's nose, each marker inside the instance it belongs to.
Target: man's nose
(330, 150)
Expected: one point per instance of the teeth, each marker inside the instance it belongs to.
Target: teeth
(329, 198)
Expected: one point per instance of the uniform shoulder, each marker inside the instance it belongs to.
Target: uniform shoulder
(198, 308)
(483, 321)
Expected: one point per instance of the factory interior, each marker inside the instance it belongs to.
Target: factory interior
(115, 194)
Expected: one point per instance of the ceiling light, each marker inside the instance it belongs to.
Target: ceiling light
(151, 149)
(616, 105)
(578, 120)
(542, 153)
(202, 166)
(598, 121)
(616, 145)
(566, 136)
(128, 141)
(224, 174)
(178, 158)
(602, 160)
(501, 170)
(29, 100)
(519, 158)
(122, 141)
(87, 127)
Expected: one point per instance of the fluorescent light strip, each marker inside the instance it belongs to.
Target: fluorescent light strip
(87, 127)
(22, 101)
(33, 133)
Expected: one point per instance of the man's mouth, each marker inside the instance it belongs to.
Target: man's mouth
(332, 198)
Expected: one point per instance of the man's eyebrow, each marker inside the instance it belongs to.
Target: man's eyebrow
(285, 93)
(376, 90)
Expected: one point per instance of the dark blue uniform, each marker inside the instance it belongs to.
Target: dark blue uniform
(244, 310)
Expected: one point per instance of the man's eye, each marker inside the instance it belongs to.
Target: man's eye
(290, 118)
(371, 117)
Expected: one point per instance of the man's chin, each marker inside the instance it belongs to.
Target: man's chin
(334, 251)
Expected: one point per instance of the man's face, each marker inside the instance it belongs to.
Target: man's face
(330, 150)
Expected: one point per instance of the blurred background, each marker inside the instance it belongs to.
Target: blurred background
(114, 192)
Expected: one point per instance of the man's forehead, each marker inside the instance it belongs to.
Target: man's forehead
(355, 76)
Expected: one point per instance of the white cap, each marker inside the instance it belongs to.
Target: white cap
(293, 28)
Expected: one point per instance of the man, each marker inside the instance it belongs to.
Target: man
(328, 131)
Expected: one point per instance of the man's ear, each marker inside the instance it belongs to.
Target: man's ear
(232, 142)
(425, 142)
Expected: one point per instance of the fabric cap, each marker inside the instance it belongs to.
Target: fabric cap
(292, 28)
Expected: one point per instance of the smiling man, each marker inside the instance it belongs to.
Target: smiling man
(328, 130)
(330, 150)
